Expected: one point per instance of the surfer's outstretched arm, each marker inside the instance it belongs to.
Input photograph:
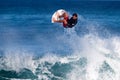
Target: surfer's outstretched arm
(60, 21)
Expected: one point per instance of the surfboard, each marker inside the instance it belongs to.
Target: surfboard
(53, 17)
(58, 12)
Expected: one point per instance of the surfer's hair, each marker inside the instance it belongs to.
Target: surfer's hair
(74, 14)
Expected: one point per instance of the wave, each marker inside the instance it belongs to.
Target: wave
(92, 53)
(91, 58)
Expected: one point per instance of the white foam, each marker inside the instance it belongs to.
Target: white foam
(15, 60)
(95, 50)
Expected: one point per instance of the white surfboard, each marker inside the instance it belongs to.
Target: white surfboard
(55, 15)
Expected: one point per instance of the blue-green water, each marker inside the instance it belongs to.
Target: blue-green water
(32, 48)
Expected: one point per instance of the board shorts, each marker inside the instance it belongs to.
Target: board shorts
(65, 25)
(60, 12)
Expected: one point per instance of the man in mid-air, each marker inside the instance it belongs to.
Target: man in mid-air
(61, 16)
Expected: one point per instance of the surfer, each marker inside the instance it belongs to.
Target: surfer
(61, 16)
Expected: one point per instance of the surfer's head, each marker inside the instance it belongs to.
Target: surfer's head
(74, 16)
(73, 20)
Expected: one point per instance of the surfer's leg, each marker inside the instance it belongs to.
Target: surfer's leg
(64, 23)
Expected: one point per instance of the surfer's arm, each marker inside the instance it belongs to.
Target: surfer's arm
(61, 21)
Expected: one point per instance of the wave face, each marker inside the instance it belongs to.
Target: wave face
(32, 48)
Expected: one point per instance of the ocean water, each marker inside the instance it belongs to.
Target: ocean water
(32, 48)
